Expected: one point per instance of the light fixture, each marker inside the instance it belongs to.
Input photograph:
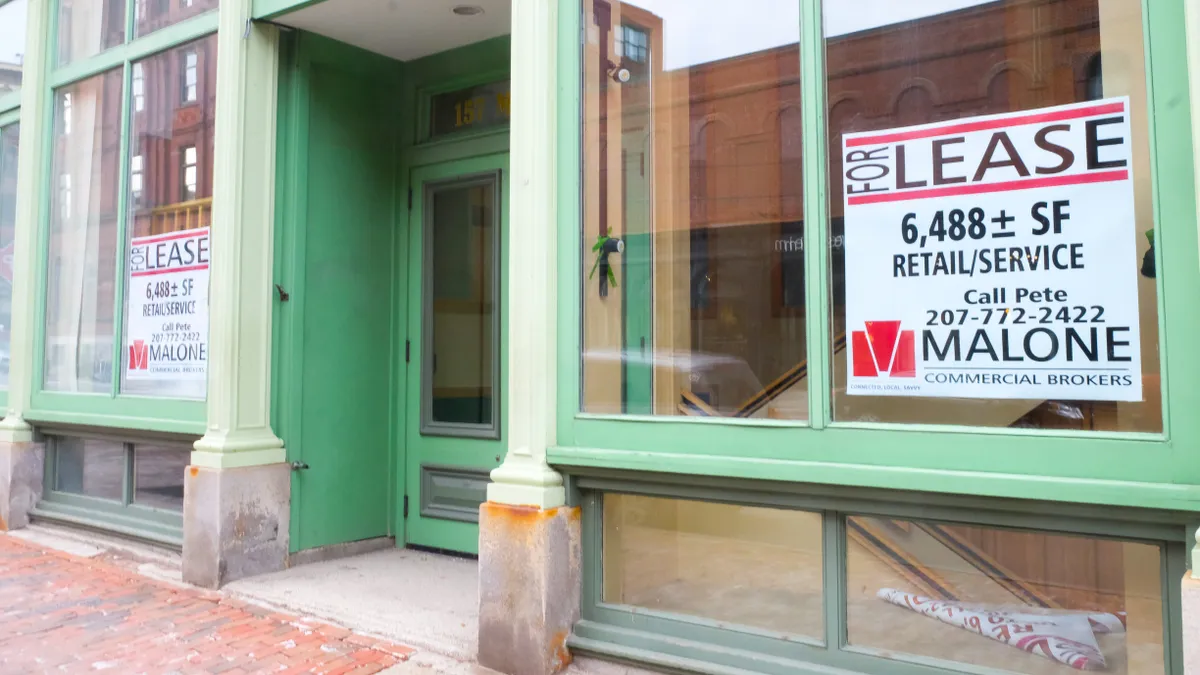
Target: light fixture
(468, 10)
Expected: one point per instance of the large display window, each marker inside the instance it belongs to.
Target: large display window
(860, 283)
(127, 203)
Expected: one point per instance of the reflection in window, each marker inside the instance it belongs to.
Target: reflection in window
(189, 89)
(153, 15)
(188, 172)
(88, 27)
(138, 84)
(82, 239)
(984, 596)
(89, 467)
(171, 169)
(691, 159)
(905, 67)
(12, 44)
(158, 475)
(9, 138)
(743, 565)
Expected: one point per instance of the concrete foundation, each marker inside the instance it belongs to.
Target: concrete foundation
(529, 583)
(22, 466)
(1191, 624)
(235, 522)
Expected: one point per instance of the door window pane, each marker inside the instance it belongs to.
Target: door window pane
(12, 44)
(461, 360)
(693, 260)
(950, 303)
(151, 15)
(169, 210)
(158, 475)
(90, 467)
(88, 27)
(9, 137)
(750, 566)
(1013, 601)
(80, 282)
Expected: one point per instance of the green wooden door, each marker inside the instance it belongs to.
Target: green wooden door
(335, 329)
(457, 352)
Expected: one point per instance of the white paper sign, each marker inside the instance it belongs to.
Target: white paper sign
(167, 333)
(994, 257)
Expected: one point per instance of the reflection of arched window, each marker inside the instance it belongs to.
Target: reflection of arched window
(1094, 85)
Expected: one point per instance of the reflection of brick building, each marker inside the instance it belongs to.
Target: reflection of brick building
(733, 127)
(171, 99)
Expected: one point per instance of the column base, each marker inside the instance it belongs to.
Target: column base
(529, 583)
(22, 465)
(235, 522)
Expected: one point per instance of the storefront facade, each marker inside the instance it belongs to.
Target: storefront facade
(532, 280)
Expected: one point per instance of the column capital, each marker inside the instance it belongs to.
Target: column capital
(35, 97)
(239, 367)
(525, 478)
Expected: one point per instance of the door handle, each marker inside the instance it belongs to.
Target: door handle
(297, 465)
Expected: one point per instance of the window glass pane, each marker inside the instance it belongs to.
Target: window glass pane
(12, 44)
(88, 27)
(461, 356)
(693, 265)
(9, 137)
(158, 475)
(151, 15)
(751, 566)
(951, 303)
(1014, 601)
(169, 212)
(80, 282)
(90, 467)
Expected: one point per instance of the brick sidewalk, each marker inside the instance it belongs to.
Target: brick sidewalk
(64, 614)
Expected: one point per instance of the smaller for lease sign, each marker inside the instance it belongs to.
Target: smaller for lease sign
(994, 257)
(167, 332)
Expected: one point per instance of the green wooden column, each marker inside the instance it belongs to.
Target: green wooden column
(238, 432)
(524, 478)
(35, 99)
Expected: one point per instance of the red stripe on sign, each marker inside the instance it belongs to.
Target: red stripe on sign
(984, 125)
(985, 188)
(168, 270)
(167, 237)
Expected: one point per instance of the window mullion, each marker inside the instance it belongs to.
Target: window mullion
(122, 239)
(816, 278)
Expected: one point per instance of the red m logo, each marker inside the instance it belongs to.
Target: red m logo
(139, 355)
(884, 348)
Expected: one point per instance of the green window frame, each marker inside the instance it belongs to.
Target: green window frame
(113, 409)
(124, 516)
(689, 643)
(1118, 469)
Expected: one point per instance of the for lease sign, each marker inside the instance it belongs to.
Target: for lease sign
(994, 257)
(167, 332)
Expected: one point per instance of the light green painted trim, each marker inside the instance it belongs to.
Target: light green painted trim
(127, 407)
(158, 41)
(1117, 468)
(816, 213)
(241, 283)
(10, 101)
(454, 148)
(1006, 485)
(107, 419)
(119, 299)
(238, 460)
(569, 125)
(32, 177)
